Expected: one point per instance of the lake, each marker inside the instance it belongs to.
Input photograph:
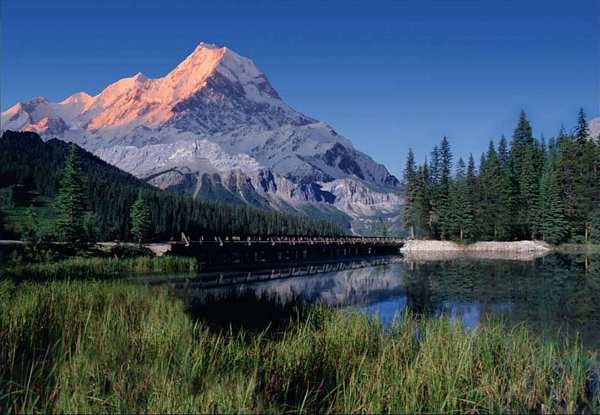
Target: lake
(557, 295)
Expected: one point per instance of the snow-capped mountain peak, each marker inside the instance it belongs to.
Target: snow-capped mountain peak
(214, 113)
(137, 100)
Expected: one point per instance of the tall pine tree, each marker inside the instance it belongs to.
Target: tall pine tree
(506, 210)
(70, 202)
(586, 152)
(439, 171)
(526, 161)
(553, 225)
(576, 177)
(461, 213)
(141, 219)
(422, 202)
(472, 192)
(410, 189)
(502, 153)
(490, 180)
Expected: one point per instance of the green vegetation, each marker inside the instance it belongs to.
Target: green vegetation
(29, 166)
(115, 347)
(100, 268)
(70, 202)
(16, 203)
(523, 190)
(141, 219)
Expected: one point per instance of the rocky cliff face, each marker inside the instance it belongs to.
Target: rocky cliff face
(214, 127)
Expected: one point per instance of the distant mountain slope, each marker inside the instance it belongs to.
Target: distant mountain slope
(28, 161)
(214, 127)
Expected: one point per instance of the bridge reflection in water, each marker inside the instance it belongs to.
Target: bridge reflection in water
(228, 254)
(554, 295)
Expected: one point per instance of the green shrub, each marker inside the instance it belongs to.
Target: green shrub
(130, 251)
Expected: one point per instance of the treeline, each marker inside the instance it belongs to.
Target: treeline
(523, 189)
(109, 194)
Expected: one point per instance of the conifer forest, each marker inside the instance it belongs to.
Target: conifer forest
(521, 188)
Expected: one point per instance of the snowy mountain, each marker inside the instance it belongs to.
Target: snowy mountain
(214, 127)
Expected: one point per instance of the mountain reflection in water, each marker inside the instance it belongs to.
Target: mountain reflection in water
(556, 295)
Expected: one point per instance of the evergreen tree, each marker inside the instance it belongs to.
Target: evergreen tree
(522, 136)
(443, 194)
(410, 188)
(383, 228)
(529, 191)
(567, 172)
(410, 169)
(490, 180)
(542, 146)
(582, 131)
(141, 219)
(577, 176)
(594, 179)
(31, 226)
(70, 202)
(553, 226)
(552, 148)
(461, 213)
(439, 182)
(502, 153)
(90, 226)
(472, 192)
(434, 190)
(506, 209)
(587, 156)
(422, 202)
(526, 163)
(471, 174)
(434, 166)
(461, 170)
(445, 161)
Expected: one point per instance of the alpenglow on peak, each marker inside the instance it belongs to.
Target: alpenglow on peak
(219, 102)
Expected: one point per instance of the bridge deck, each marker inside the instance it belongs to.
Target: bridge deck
(294, 240)
(235, 252)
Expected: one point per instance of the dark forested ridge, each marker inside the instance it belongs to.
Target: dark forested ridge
(27, 164)
(528, 188)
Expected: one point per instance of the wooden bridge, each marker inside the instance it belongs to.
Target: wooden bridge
(259, 252)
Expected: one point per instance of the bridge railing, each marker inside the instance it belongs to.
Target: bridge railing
(187, 240)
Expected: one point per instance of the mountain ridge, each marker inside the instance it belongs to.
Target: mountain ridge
(31, 167)
(216, 113)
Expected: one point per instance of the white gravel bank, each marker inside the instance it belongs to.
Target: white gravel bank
(448, 246)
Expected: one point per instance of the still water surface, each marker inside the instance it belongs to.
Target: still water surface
(557, 295)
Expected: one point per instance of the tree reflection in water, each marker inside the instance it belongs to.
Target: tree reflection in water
(557, 295)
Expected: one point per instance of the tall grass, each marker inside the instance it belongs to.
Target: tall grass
(76, 346)
(99, 268)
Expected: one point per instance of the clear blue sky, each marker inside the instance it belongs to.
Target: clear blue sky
(386, 74)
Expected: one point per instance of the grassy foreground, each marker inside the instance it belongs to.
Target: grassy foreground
(76, 346)
(99, 268)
